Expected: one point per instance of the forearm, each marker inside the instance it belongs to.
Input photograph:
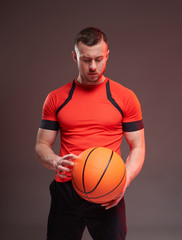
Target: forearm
(134, 163)
(46, 156)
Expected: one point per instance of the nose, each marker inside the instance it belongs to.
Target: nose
(93, 65)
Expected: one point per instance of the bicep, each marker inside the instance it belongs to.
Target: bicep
(135, 139)
(46, 137)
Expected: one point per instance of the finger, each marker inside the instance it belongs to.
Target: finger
(107, 203)
(67, 163)
(61, 168)
(64, 166)
(110, 206)
(61, 175)
(70, 156)
(104, 204)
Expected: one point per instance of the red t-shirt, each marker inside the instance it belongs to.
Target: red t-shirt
(91, 116)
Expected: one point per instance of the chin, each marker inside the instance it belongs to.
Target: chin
(92, 78)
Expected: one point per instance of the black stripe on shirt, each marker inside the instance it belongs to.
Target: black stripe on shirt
(132, 126)
(49, 125)
(111, 99)
(68, 98)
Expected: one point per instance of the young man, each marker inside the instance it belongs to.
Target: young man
(90, 111)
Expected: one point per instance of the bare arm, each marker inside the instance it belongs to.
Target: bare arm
(46, 156)
(134, 161)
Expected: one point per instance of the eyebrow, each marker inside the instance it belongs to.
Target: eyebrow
(91, 58)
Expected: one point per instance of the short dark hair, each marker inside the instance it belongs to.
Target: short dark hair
(90, 36)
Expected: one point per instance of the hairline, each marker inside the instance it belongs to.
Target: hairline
(102, 39)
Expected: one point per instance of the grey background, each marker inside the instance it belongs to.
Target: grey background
(145, 55)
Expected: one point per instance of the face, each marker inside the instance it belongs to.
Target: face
(91, 61)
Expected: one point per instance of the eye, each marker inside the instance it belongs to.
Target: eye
(98, 59)
(86, 60)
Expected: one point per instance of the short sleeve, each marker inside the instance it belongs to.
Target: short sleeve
(132, 114)
(49, 119)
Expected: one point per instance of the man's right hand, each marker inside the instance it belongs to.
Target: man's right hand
(46, 156)
(65, 164)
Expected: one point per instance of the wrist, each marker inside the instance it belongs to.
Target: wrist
(55, 161)
(128, 177)
(52, 161)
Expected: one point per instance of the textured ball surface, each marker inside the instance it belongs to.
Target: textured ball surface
(99, 175)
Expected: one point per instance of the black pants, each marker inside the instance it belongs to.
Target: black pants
(70, 214)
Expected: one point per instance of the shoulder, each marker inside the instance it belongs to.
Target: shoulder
(120, 91)
(126, 99)
(60, 94)
(129, 105)
(61, 90)
(56, 97)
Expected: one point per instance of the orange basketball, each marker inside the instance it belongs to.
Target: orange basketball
(99, 175)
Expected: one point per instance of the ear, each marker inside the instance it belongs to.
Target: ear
(107, 55)
(74, 56)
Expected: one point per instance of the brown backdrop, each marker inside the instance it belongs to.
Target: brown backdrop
(145, 55)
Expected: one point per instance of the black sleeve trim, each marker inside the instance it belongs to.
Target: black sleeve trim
(50, 125)
(68, 98)
(111, 99)
(133, 126)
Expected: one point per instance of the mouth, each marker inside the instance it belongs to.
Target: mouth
(92, 74)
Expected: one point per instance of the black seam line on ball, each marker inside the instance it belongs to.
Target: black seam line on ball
(84, 172)
(92, 198)
(102, 175)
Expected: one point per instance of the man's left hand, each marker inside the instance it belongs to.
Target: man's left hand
(114, 202)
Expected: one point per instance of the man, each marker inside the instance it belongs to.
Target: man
(90, 111)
